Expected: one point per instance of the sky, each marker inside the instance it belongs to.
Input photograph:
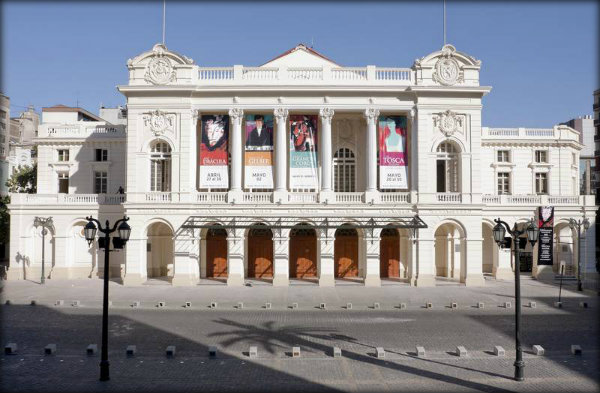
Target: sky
(541, 58)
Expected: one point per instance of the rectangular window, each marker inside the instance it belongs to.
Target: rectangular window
(63, 183)
(541, 156)
(503, 156)
(503, 183)
(100, 182)
(101, 155)
(541, 183)
(63, 155)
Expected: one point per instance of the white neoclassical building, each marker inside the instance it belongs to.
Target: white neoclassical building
(299, 169)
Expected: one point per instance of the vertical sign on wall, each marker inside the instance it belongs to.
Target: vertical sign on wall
(303, 152)
(546, 237)
(214, 138)
(258, 156)
(392, 152)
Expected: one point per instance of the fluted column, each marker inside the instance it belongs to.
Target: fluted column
(326, 116)
(371, 115)
(235, 116)
(280, 115)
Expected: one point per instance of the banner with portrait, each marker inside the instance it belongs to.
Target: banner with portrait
(303, 152)
(258, 154)
(546, 238)
(214, 141)
(393, 172)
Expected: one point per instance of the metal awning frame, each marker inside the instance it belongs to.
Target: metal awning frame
(324, 222)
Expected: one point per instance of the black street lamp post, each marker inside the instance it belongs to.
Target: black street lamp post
(44, 222)
(572, 224)
(118, 242)
(532, 231)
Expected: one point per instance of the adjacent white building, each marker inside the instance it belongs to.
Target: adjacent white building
(299, 169)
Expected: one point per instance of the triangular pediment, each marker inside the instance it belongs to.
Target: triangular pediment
(300, 56)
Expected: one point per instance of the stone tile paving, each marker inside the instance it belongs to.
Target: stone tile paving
(275, 331)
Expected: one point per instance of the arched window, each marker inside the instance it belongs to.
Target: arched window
(447, 167)
(160, 167)
(344, 171)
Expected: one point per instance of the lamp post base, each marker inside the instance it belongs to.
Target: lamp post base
(104, 375)
(519, 374)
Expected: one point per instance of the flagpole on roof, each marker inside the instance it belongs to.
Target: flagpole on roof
(164, 13)
(444, 22)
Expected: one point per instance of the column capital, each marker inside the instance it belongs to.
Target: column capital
(371, 114)
(326, 114)
(195, 114)
(236, 114)
(280, 113)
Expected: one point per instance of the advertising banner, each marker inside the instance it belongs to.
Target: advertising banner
(214, 138)
(546, 238)
(258, 155)
(392, 152)
(303, 152)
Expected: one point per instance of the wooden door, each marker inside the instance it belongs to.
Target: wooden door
(389, 254)
(216, 254)
(303, 256)
(260, 256)
(346, 256)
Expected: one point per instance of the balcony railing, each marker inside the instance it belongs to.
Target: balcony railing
(303, 197)
(293, 198)
(69, 199)
(257, 197)
(560, 132)
(531, 199)
(452, 197)
(240, 75)
(81, 131)
(395, 197)
(349, 197)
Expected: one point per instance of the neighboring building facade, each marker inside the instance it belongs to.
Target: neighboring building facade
(596, 108)
(4, 141)
(590, 178)
(23, 130)
(300, 168)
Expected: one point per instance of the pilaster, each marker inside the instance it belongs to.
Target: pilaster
(372, 263)
(326, 262)
(235, 260)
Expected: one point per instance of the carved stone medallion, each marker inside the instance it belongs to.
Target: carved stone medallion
(159, 122)
(159, 71)
(447, 70)
(448, 122)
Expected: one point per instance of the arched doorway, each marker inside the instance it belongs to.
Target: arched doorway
(346, 252)
(216, 252)
(565, 249)
(260, 252)
(303, 252)
(449, 251)
(389, 253)
(159, 251)
(84, 257)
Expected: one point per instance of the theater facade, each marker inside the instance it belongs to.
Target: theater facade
(301, 169)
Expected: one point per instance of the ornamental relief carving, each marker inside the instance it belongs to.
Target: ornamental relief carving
(159, 70)
(159, 122)
(449, 122)
(447, 70)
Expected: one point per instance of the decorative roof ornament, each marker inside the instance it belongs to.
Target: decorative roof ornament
(447, 70)
(448, 122)
(159, 70)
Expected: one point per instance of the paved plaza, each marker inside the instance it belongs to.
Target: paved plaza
(357, 332)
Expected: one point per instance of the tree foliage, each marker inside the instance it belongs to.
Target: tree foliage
(23, 180)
